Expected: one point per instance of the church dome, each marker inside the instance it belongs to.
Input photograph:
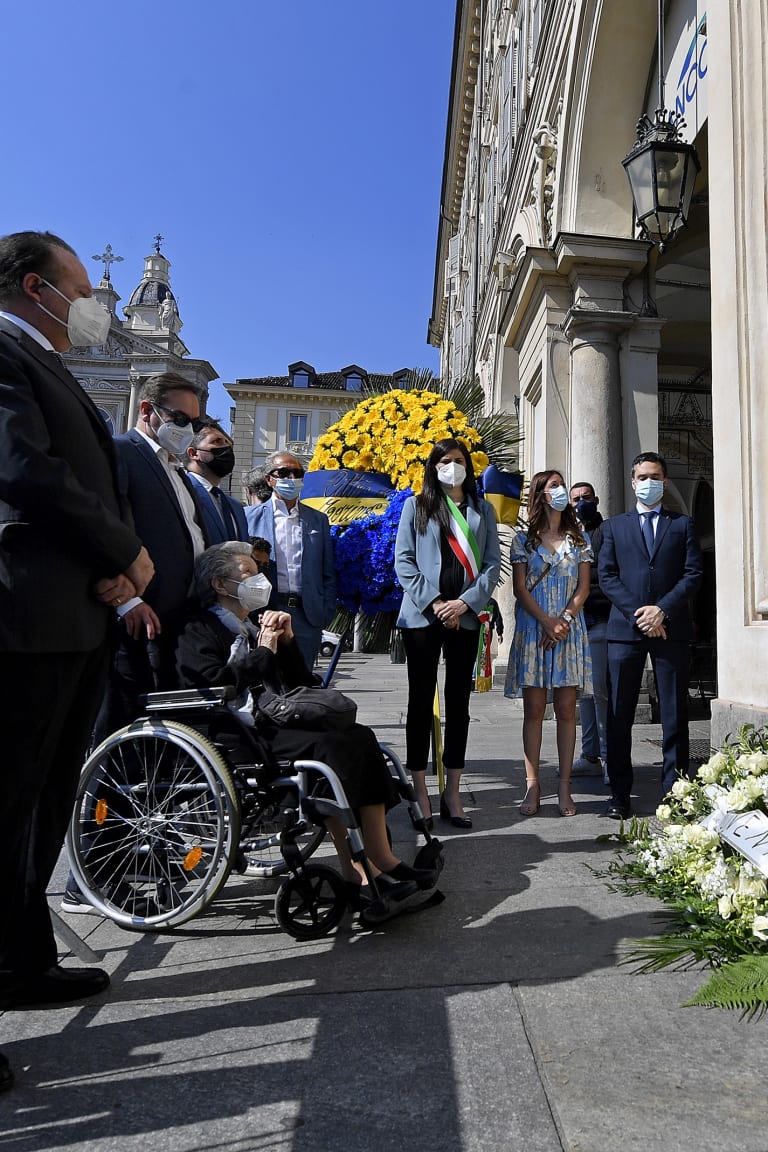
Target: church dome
(150, 293)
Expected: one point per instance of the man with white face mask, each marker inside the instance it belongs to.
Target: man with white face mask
(649, 566)
(302, 570)
(168, 518)
(68, 552)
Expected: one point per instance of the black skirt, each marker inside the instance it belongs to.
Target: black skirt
(354, 755)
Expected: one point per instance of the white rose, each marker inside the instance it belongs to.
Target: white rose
(760, 927)
(755, 763)
(663, 813)
(724, 906)
(741, 795)
(681, 788)
(708, 774)
(752, 886)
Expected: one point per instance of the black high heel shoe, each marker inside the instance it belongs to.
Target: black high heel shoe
(454, 821)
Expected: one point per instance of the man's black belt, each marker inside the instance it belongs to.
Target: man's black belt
(288, 600)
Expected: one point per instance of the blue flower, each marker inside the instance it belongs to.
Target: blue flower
(365, 560)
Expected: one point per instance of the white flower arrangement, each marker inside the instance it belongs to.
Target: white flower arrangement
(709, 864)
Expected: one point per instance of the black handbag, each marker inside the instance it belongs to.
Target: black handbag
(320, 709)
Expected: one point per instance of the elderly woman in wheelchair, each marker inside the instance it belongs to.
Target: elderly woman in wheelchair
(168, 809)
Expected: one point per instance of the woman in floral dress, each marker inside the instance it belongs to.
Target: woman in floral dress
(550, 651)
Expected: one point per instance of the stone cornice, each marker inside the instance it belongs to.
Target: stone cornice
(574, 249)
(464, 70)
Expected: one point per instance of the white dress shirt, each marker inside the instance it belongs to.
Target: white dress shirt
(29, 329)
(654, 513)
(288, 546)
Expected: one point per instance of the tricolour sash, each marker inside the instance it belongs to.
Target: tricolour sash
(462, 541)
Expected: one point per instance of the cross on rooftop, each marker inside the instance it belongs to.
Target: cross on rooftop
(158, 241)
(107, 257)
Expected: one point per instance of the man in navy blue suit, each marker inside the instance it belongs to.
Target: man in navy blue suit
(168, 519)
(650, 565)
(302, 569)
(211, 458)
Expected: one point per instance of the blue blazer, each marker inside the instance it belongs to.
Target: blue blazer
(318, 568)
(668, 578)
(418, 560)
(213, 524)
(159, 522)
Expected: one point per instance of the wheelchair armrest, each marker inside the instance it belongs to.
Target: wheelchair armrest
(187, 698)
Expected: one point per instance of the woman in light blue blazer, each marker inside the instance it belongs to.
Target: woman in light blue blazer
(447, 561)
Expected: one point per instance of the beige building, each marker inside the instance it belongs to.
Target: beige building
(145, 343)
(291, 412)
(602, 344)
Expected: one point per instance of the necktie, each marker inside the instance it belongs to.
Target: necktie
(226, 515)
(648, 531)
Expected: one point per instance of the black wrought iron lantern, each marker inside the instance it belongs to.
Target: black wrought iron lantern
(662, 171)
(662, 168)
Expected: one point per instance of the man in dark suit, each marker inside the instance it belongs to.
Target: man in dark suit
(67, 553)
(211, 458)
(168, 518)
(302, 569)
(650, 565)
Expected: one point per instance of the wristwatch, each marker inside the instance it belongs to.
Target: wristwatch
(567, 616)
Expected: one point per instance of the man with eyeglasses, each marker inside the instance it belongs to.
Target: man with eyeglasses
(302, 570)
(168, 518)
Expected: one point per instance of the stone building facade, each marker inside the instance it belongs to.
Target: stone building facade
(291, 412)
(145, 343)
(604, 346)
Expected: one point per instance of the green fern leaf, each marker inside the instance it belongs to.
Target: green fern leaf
(742, 984)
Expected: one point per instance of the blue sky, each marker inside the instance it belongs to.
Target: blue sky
(290, 154)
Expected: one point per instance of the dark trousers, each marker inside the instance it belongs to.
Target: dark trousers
(626, 661)
(422, 650)
(49, 703)
(138, 666)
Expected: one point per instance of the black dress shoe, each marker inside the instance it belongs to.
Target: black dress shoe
(6, 1074)
(403, 873)
(454, 821)
(618, 809)
(54, 986)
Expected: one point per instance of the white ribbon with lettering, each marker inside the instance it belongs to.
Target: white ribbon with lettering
(747, 832)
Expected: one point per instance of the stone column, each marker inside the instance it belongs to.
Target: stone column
(597, 448)
(133, 400)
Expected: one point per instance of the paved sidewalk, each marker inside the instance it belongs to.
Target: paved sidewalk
(500, 1020)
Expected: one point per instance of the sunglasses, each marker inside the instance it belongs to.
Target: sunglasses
(180, 419)
(284, 473)
(262, 565)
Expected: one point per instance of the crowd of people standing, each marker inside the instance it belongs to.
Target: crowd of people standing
(101, 541)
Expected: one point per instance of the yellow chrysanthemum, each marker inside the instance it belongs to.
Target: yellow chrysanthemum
(393, 434)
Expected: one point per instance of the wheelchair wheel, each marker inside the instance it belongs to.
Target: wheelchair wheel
(260, 853)
(312, 904)
(155, 826)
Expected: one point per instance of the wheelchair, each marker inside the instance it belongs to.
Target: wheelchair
(170, 805)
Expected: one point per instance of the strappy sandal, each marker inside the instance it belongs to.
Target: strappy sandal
(566, 809)
(530, 807)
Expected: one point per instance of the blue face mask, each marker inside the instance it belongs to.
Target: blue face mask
(649, 492)
(289, 488)
(558, 498)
